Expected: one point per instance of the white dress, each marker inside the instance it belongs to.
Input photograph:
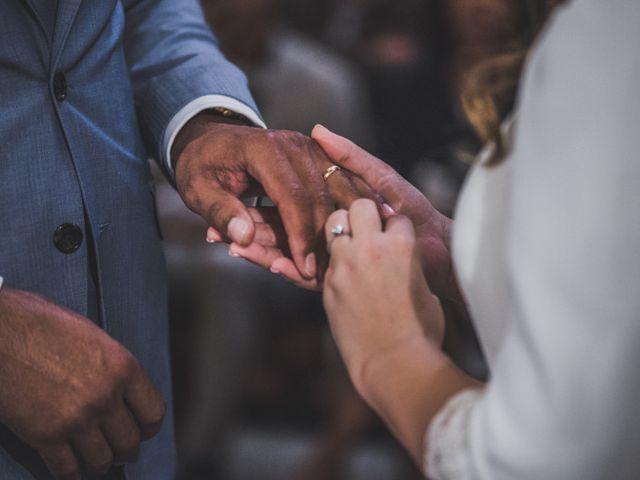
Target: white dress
(547, 250)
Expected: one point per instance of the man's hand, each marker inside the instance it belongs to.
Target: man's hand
(432, 228)
(70, 391)
(215, 163)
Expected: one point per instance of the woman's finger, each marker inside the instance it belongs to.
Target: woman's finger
(337, 225)
(273, 259)
(284, 267)
(256, 253)
(400, 225)
(343, 152)
(364, 218)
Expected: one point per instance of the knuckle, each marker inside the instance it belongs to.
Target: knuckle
(123, 366)
(68, 421)
(387, 181)
(158, 413)
(128, 447)
(298, 192)
(324, 199)
(101, 464)
(153, 419)
(296, 138)
(217, 213)
(61, 466)
(190, 196)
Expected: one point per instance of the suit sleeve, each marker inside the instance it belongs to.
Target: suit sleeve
(174, 60)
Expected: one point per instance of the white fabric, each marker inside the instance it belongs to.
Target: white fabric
(547, 250)
(196, 106)
(448, 434)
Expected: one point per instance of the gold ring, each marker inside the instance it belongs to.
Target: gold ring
(330, 171)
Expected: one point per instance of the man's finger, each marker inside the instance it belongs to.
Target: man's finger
(364, 218)
(343, 191)
(123, 434)
(272, 258)
(269, 228)
(61, 461)
(295, 206)
(221, 209)
(348, 155)
(284, 267)
(265, 215)
(94, 451)
(145, 403)
(260, 255)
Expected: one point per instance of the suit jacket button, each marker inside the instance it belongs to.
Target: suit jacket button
(60, 86)
(67, 238)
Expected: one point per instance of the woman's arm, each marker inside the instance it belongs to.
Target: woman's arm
(387, 323)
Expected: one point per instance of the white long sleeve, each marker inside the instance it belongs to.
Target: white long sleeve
(562, 264)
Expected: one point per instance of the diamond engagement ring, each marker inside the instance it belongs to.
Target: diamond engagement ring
(338, 230)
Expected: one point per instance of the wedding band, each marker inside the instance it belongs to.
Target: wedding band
(338, 230)
(330, 171)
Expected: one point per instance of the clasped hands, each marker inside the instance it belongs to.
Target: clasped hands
(217, 163)
(381, 280)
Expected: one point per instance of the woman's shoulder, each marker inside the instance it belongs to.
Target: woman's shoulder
(590, 36)
(579, 97)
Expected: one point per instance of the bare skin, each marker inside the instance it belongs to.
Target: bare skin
(77, 396)
(387, 323)
(394, 193)
(216, 163)
(432, 229)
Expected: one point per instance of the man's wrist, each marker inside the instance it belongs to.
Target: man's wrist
(195, 107)
(199, 124)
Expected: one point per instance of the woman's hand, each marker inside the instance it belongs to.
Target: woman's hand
(387, 323)
(375, 293)
(432, 229)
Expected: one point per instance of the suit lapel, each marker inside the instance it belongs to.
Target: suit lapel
(67, 11)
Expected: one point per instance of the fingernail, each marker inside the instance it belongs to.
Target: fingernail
(237, 229)
(275, 271)
(319, 129)
(232, 253)
(387, 209)
(210, 238)
(310, 264)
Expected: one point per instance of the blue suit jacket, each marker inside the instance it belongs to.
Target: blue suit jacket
(128, 67)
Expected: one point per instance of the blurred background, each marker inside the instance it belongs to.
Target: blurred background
(260, 391)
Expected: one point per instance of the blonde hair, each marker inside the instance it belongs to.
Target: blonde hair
(488, 94)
